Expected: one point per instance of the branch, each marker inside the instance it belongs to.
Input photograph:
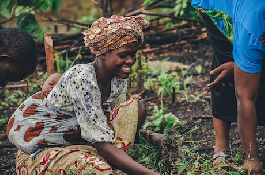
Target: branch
(147, 12)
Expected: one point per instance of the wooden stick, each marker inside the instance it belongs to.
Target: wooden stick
(21, 85)
(171, 15)
(48, 43)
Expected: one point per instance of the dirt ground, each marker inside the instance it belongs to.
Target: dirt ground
(194, 114)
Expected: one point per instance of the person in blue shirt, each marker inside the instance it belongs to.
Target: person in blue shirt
(242, 22)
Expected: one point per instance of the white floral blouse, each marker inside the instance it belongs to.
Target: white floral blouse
(77, 93)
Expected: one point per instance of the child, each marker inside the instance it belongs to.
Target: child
(30, 113)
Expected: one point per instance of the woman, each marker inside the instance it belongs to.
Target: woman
(242, 22)
(96, 124)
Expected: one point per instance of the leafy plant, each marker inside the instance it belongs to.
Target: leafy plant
(136, 71)
(168, 82)
(158, 69)
(198, 68)
(3, 121)
(181, 8)
(62, 64)
(187, 80)
(14, 98)
(162, 122)
(163, 82)
(184, 8)
(150, 156)
(25, 10)
(239, 156)
(185, 92)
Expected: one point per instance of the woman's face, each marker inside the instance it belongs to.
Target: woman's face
(119, 61)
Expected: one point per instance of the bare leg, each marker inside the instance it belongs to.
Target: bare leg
(221, 135)
(247, 91)
(221, 138)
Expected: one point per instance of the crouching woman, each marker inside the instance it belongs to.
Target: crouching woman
(88, 124)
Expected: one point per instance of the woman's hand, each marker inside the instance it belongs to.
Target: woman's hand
(153, 138)
(157, 140)
(225, 71)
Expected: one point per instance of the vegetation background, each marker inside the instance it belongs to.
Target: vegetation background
(170, 75)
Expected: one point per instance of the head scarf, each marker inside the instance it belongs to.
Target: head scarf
(107, 34)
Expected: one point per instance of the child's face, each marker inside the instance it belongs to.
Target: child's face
(49, 84)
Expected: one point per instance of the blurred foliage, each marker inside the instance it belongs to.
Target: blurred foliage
(180, 8)
(62, 65)
(25, 10)
(30, 13)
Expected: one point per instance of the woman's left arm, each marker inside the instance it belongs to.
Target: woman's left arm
(119, 159)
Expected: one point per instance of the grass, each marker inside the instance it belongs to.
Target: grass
(182, 156)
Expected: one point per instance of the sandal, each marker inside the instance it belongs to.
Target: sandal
(225, 161)
(222, 156)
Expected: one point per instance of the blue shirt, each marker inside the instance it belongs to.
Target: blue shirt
(248, 26)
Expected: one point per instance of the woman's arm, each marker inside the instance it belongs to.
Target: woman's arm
(119, 159)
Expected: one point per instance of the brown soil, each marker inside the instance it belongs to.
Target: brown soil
(194, 114)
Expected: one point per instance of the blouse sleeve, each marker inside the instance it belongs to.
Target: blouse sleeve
(121, 98)
(84, 94)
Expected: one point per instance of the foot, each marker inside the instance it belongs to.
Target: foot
(252, 166)
(222, 157)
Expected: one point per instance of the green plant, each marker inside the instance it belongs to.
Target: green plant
(198, 68)
(184, 164)
(184, 8)
(3, 121)
(162, 122)
(136, 71)
(62, 64)
(150, 156)
(24, 11)
(164, 83)
(186, 81)
(180, 8)
(168, 82)
(74, 172)
(14, 98)
(189, 97)
(148, 2)
(239, 156)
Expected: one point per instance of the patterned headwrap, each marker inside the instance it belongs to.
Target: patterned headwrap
(107, 34)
